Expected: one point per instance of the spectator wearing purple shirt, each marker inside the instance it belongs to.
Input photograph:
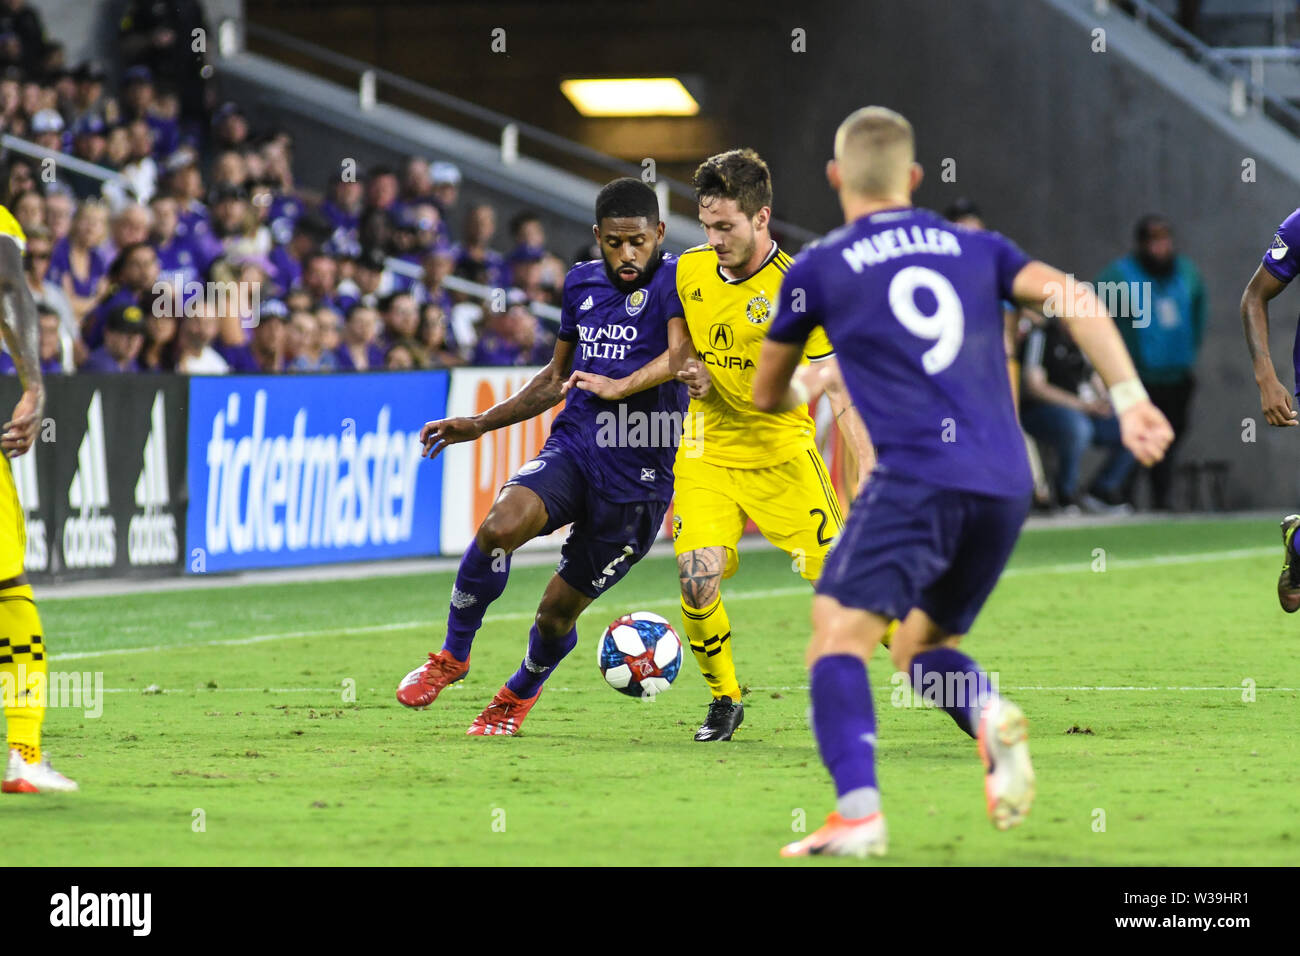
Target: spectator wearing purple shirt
(358, 350)
(343, 208)
(77, 263)
(123, 337)
(264, 352)
(179, 261)
(134, 273)
(476, 260)
(51, 347)
(513, 337)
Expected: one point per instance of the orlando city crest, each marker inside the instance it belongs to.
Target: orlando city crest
(635, 302)
(758, 310)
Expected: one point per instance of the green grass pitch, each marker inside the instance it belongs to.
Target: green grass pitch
(250, 752)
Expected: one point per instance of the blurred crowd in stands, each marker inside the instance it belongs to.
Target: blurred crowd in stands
(203, 255)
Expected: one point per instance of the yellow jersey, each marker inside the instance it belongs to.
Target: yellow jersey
(727, 320)
(9, 227)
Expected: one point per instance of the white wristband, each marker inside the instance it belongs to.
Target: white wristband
(1124, 395)
(800, 390)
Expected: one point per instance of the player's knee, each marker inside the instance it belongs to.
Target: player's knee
(699, 593)
(499, 532)
(554, 622)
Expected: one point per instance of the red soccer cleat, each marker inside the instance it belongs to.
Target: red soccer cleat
(421, 687)
(503, 716)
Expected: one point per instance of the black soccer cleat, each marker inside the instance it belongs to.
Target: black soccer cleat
(725, 715)
(1288, 582)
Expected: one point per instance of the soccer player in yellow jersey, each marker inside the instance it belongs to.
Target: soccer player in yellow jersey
(22, 647)
(735, 462)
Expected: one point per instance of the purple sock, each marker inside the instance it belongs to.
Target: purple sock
(947, 678)
(479, 582)
(844, 722)
(540, 660)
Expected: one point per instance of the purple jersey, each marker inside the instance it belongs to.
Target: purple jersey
(627, 447)
(913, 306)
(1282, 262)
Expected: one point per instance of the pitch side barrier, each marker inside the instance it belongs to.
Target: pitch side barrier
(154, 475)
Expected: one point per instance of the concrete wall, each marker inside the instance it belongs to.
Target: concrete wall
(1065, 149)
(88, 28)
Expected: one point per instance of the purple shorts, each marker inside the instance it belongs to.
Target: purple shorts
(910, 544)
(607, 537)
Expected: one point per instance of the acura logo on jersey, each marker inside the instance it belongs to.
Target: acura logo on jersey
(720, 336)
(726, 361)
(758, 310)
(635, 302)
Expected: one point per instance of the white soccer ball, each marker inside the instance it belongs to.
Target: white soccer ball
(640, 654)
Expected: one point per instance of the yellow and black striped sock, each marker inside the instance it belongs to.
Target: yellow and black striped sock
(708, 631)
(22, 670)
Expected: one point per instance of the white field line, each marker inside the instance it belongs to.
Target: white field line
(1119, 564)
(569, 690)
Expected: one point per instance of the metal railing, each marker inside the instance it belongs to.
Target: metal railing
(1245, 91)
(509, 129)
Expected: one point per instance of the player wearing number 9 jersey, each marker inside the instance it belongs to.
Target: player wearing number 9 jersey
(912, 306)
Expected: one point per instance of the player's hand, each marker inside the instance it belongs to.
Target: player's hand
(20, 431)
(1146, 432)
(1275, 401)
(435, 436)
(696, 377)
(602, 386)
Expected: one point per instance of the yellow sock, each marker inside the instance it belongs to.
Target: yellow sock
(708, 631)
(22, 670)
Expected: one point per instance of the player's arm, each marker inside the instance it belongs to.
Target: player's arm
(775, 387)
(21, 330)
(1144, 429)
(1274, 398)
(684, 361)
(847, 419)
(653, 373)
(544, 390)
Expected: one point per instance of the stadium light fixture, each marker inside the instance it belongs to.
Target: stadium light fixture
(631, 96)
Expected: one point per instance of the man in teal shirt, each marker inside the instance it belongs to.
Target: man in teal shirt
(1163, 328)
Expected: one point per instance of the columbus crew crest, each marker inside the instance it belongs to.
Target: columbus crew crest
(635, 302)
(677, 526)
(758, 310)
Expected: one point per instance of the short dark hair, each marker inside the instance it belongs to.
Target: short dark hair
(1151, 223)
(627, 198)
(518, 220)
(738, 174)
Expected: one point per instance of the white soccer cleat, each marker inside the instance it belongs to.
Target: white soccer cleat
(24, 777)
(1003, 740)
(841, 837)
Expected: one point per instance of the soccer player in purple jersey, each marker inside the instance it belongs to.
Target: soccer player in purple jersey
(611, 359)
(912, 304)
(1274, 273)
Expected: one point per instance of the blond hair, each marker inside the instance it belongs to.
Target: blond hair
(874, 151)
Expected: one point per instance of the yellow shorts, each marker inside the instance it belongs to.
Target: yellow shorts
(793, 504)
(13, 525)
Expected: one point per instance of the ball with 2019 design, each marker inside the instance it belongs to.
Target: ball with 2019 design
(640, 654)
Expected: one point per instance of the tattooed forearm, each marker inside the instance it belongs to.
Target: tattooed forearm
(700, 573)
